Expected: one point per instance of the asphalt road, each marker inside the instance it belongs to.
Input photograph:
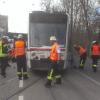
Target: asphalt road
(76, 85)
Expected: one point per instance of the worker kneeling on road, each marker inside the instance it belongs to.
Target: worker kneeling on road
(95, 54)
(54, 71)
(83, 55)
(20, 54)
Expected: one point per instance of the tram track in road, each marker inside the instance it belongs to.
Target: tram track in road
(11, 87)
(66, 89)
(69, 89)
(35, 82)
(9, 77)
(88, 74)
(52, 94)
(4, 82)
(76, 86)
(73, 84)
(82, 86)
(23, 89)
(88, 77)
(50, 90)
(33, 90)
(72, 90)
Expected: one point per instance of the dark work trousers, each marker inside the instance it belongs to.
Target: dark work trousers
(95, 59)
(54, 72)
(21, 66)
(3, 65)
(82, 60)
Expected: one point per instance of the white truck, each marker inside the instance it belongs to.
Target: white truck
(42, 25)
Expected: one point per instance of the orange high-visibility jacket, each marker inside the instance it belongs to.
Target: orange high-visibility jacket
(19, 47)
(53, 53)
(95, 50)
(82, 50)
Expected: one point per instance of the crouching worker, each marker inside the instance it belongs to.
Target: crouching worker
(83, 55)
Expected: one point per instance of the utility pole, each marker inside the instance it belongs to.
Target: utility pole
(71, 26)
(98, 21)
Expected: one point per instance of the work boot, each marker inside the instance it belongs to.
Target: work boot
(8, 65)
(81, 67)
(4, 75)
(25, 77)
(48, 84)
(20, 78)
(95, 69)
(58, 81)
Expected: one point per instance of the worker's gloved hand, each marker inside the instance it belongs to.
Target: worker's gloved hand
(59, 65)
(48, 58)
(58, 62)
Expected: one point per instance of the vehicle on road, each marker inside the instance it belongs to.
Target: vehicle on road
(42, 25)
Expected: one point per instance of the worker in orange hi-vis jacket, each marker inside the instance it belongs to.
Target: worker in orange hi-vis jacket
(83, 55)
(20, 54)
(54, 57)
(95, 54)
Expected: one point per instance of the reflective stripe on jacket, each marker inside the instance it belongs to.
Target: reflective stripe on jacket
(95, 49)
(19, 48)
(2, 54)
(54, 53)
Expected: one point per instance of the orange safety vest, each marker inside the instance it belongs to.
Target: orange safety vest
(82, 50)
(53, 52)
(95, 49)
(19, 47)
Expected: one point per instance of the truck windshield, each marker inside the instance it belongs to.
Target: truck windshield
(41, 30)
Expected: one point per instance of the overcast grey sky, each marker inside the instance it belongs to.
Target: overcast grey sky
(17, 11)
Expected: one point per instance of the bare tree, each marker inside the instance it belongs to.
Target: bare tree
(46, 5)
(80, 12)
(99, 1)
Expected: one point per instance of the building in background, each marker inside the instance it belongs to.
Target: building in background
(3, 25)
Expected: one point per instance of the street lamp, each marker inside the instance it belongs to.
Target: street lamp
(67, 40)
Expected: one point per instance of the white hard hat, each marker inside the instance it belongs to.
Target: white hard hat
(53, 38)
(9, 40)
(20, 36)
(94, 42)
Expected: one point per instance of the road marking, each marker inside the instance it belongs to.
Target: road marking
(21, 97)
(21, 84)
(89, 78)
